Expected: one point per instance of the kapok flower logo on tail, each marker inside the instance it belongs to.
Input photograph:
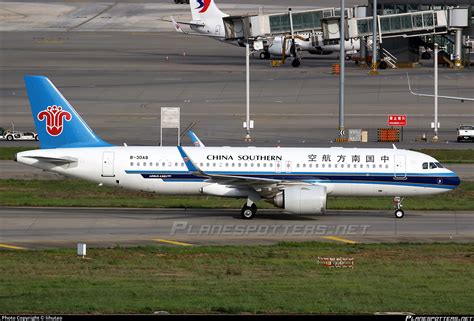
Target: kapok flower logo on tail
(203, 5)
(54, 116)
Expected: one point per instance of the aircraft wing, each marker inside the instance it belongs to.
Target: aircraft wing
(222, 178)
(261, 185)
(462, 99)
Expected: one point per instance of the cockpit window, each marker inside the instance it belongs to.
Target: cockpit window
(432, 165)
(439, 165)
(425, 165)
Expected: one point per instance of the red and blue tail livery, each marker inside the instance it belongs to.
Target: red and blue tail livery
(56, 121)
(203, 5)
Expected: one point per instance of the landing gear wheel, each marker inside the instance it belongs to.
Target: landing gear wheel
(9, 138)
(264, 55)
(248, 212)
(296, 63)
(382, 65)
(399, 213)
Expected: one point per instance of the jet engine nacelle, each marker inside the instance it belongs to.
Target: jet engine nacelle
(276, 47)
(302, 199)
(284, 43)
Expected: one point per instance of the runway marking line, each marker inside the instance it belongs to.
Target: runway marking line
(172, 242)
(339, 239)
(12, 247)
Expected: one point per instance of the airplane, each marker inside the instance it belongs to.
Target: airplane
(207, 20)
(298, 180)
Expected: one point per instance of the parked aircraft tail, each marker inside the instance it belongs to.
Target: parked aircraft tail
(204, 10)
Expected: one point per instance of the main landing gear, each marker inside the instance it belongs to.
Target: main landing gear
(248, 212)
(250, 208)
(399, 213)
(296, 62)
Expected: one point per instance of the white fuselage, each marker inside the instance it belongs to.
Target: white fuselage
(343, 171)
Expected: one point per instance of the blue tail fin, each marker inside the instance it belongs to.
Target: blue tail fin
(56, 121)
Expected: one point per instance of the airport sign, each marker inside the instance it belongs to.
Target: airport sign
(397, 120)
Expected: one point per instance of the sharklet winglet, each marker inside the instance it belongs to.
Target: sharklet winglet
(188, 162)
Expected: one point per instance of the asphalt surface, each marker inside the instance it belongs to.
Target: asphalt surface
(58, 227)
(118, 74)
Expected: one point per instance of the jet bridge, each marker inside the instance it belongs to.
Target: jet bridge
(405, 25)
(267, 25)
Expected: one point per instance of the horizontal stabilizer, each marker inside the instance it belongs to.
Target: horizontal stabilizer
(54, 160)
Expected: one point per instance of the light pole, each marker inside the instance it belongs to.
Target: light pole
(342, 62)
(373, 70)
(435, 137)
(247, 138)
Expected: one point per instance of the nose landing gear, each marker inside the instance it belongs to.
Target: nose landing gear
(399, 213)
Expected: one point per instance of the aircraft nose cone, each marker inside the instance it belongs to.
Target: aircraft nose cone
(455, 180)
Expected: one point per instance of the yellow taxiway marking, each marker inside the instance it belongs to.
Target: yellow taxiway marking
(172, 242)
(339, 239)
(12, 247)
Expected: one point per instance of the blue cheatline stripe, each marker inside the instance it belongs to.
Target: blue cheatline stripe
(394, 183)
(184, 180)
(446, 182)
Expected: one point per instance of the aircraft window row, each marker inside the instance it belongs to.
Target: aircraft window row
(343, 166)
(432, 165)
(271, 165)
(157, 164)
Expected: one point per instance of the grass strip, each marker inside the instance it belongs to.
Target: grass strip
(282, 278)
